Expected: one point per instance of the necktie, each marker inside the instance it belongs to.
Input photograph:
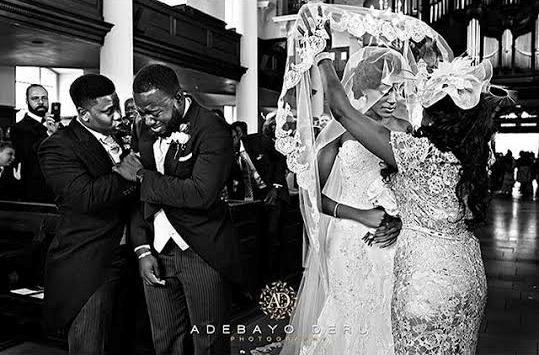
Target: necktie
(112, 147)
(245, 169)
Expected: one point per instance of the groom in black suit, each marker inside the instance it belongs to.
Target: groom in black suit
(183, 237)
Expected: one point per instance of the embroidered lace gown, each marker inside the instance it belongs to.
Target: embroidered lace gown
(358, 306)
(440, 285)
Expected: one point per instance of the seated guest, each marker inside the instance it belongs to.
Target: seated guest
(26, 136)
(9, 176)
(87, 272)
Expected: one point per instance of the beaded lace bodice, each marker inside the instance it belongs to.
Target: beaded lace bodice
(359, 168)
(425, 185)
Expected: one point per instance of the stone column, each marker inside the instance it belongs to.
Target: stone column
(247, 90)
(116, 58)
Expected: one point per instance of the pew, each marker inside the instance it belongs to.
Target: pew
(26, 230)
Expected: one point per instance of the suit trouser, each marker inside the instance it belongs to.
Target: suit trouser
(195, 294)
(102, 326)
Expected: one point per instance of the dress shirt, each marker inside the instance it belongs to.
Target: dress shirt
(163, 229)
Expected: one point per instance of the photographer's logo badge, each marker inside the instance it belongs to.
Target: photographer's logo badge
(278, 300)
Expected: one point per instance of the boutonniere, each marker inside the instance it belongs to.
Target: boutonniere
(180, 138)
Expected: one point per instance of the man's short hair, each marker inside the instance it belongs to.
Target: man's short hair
(86, 88)
(156, 77)
(31, 86)
(6, 145)
(242, 125)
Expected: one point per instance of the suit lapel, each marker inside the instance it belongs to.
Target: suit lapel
(146, 142)
(91, 147)
(172, 158)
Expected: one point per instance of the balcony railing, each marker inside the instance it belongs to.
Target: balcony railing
(82, 19)
(186, 37)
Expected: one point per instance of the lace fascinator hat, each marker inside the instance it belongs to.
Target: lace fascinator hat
(459, 79)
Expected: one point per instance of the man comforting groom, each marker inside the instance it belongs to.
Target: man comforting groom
(87, 270)
(182, 233)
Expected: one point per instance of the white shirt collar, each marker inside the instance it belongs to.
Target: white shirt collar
(187, 105)
(242, 148)
(99, 136)
(34, 116)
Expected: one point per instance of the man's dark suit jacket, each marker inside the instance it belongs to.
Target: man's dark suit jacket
(26, 136)
(189, 191)
(94, 204)
(269, 163)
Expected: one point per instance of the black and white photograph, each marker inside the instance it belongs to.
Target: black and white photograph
(269, 177)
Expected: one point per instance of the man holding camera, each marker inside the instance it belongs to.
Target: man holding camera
(26, 136)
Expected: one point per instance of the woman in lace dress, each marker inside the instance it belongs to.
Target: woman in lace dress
(360, 275)
(441, 188)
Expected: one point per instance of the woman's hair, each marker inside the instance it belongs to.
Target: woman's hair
(467, 134)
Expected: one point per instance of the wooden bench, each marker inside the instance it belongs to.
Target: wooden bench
(26, 230)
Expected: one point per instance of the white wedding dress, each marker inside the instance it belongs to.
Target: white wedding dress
(356, 316)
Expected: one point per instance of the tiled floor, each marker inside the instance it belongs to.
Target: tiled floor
(510, 246)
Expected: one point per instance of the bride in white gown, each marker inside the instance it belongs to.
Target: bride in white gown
(356, 314)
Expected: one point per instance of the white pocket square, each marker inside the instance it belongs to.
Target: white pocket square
(260, 156)
(187, 157)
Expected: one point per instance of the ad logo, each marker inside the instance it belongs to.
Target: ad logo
(278, 300)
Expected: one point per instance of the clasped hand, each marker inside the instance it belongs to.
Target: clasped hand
(128, 167)
(387, 228)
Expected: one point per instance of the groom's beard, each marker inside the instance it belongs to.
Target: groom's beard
(173, 125)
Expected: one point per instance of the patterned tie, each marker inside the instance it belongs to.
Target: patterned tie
(112, 147)
(246, 178)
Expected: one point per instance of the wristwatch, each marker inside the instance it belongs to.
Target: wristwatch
(139, 175)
